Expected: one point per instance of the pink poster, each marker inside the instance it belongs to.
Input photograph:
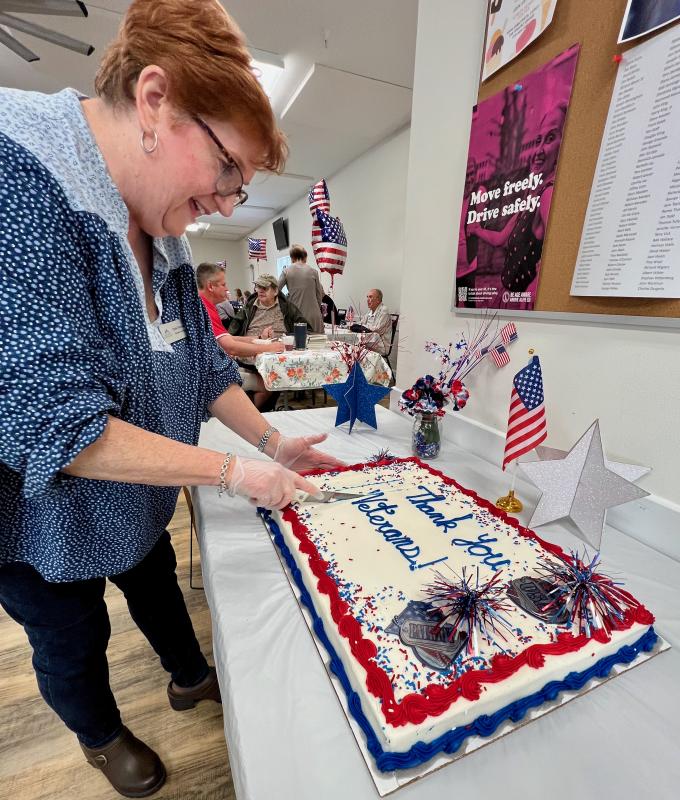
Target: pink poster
(512, 161)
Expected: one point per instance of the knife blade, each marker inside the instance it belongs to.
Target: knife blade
(326, 497)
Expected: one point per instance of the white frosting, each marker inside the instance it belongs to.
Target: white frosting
(381, 558)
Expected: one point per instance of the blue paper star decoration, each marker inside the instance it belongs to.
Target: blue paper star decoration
(356, 398)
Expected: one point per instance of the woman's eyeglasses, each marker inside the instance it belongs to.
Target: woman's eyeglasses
(230, 181)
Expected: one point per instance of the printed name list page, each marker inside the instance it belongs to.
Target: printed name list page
(630, 245)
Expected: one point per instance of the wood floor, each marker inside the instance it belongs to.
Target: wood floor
(41, 760)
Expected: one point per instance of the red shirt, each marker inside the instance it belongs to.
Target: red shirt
(215, 321)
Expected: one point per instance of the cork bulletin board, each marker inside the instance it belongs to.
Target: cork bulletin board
(594, 24)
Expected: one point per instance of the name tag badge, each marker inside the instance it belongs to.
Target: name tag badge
(173, 331)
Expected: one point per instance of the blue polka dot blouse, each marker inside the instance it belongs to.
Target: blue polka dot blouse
(76, 345)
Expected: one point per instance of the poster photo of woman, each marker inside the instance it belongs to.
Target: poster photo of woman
(515, 142)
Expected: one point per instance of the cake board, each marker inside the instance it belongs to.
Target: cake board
(387, 783)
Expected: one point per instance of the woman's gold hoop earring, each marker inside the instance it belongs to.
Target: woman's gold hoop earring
(154, 145)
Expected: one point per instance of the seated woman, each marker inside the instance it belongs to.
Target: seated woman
(266, 315)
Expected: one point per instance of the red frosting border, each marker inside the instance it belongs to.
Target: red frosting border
(435, 699)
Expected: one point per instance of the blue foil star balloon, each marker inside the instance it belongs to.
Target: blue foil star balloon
(356, 398)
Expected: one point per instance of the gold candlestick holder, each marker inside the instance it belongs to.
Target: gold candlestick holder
(510, 503)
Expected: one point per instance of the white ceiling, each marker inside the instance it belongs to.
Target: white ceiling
(357, 58)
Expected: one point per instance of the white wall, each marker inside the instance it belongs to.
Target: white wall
(368, 195)
(234, 253)
(629, 378)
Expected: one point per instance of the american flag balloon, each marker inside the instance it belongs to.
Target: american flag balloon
(331, 251)
(316, 232)
(320, 199)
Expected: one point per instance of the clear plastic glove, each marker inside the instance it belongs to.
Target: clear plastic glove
(274, 347)
(297, 453)
(267, 484)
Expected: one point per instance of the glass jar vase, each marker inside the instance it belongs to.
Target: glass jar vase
(426, 436)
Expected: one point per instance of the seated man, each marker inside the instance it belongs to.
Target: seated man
(377, 321)
(212, 290)
(266, 315)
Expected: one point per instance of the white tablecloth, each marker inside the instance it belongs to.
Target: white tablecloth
(287, 736)
(312, 369)
(341, 334)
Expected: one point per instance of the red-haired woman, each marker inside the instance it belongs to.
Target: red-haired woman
(105, 379)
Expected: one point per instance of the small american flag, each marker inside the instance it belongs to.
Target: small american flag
(509, 333)
(526, 421)
(319, 198)
(257, 248)
(331, 251)
(499, 355)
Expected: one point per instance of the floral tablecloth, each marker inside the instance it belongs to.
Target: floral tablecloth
(312, 369)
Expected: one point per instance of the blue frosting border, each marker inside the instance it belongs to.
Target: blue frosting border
(484, 725)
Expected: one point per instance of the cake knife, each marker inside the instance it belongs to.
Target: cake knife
(325, 497)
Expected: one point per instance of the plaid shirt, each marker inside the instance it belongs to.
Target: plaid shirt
(379, 321)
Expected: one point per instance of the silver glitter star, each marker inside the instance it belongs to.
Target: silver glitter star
(581, 485)
(631, 472)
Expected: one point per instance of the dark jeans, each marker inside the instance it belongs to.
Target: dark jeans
(68, 627)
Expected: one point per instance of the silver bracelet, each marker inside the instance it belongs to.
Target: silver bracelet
(265, 438)
(223, 475)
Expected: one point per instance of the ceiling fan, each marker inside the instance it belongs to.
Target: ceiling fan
(60, 8)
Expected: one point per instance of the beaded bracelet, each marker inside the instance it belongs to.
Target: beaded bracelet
(265, 438)
(223, 475)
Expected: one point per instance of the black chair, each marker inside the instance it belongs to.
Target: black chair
(192, 532)
(342, 313)
(395, 323)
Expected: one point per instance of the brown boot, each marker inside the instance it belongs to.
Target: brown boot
(183, 698)
(131, 767)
